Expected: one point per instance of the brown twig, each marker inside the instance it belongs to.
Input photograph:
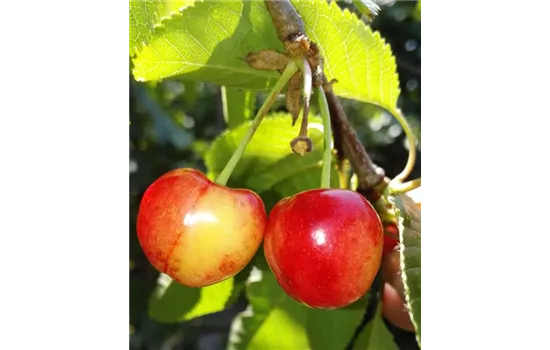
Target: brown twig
(369, 175)
(291, 31)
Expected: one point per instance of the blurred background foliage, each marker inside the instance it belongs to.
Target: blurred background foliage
(173, 124)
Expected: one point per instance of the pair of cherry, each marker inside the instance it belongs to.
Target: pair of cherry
(324, 246)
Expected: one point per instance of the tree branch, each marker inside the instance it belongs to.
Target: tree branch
(291, 31)
(369, 175)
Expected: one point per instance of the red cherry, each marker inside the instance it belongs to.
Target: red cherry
(324, 246)
(389, 244)
(196, 231)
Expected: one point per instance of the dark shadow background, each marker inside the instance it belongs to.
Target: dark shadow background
(172, 125)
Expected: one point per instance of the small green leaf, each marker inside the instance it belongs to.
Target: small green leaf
(238, 105)
(143, 16)
(356, 56)
(208, 42)
(409, 235)
(172, 302)
(273, 320)
(268, 160)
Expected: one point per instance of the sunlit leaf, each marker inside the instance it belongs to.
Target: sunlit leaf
(409, 232)
(208, 42)
(172, 302)
(356, 56)
(170, 7)
(268, 162)
(143, 16)
(275, 321)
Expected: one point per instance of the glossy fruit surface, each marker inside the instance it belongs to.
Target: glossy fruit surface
(324, 246)
(196, 231)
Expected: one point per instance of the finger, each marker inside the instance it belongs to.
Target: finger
(394, 309)
(391, 271)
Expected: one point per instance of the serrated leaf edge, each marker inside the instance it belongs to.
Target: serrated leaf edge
(139, 46)
(346, 14)
(403, 217)
(160, 29)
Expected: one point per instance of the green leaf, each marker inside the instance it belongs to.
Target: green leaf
(273, 320)
(333, 329)
(380, 337)
(143, 16)
(409, 235)
(238, 106)
(356, 56)
(208, 42)
(172, 302)
(268, 164)
(417, 11)
(239, 285)
(170, 7)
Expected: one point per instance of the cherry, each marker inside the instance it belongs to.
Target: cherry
(390, 244)
(324, 246)
(196, 231)
(200, 232)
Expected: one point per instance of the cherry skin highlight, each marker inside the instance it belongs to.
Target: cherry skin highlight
(196, 231)
(324, 246)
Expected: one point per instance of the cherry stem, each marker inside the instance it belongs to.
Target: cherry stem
(303, 144)
(404, 187)
(306, 69)
(327, 138)
(307, 94)
(412, 146)
(289, 71)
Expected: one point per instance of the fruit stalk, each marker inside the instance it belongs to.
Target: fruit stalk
(412, 145)
(327, 135)
(289, 71)
(302, 143)
(405, 187)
